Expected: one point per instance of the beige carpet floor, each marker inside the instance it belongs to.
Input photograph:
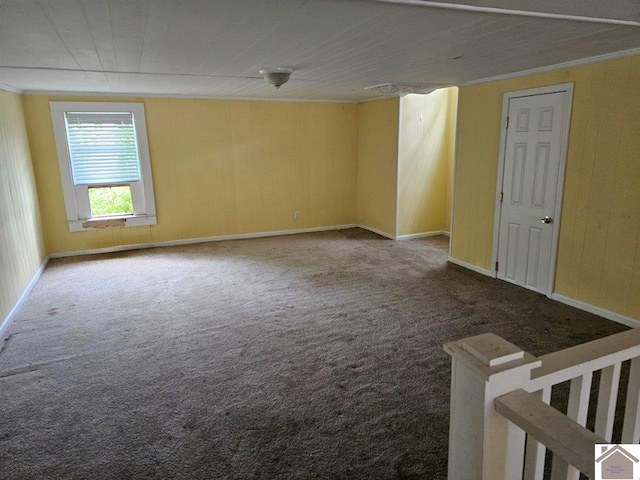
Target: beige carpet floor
(315, 356)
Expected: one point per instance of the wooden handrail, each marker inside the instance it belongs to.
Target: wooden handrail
(569, 363)
(566, 438)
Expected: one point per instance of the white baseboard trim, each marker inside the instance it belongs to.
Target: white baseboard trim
(376, 231)
(630, 322)
(411, 236)
(10, 317)
(190, 241)
(587, 307)
(446, 234)
(474, 268)
(609, 315)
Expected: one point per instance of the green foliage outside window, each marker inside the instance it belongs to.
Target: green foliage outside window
(110, 201)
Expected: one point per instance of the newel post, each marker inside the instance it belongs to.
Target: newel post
(483, 445)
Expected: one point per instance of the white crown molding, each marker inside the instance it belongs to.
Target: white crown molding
(9, 88)
(57, 93)
(558, 66)
(549, 68)
(512, 12)
(377, 99)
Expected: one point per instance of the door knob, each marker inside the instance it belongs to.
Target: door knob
(546, 219)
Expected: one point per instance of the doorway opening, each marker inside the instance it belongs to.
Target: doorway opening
(426, 144)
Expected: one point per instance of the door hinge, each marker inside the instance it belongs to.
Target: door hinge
(501, 197)
(506, 122)
(496, 266)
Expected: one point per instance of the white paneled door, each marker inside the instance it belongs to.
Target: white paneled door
(533, 159)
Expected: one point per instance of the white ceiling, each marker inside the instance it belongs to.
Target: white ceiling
(215, 48)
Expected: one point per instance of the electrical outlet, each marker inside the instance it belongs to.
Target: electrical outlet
(296, 215)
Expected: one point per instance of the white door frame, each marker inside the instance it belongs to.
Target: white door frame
(568, 100)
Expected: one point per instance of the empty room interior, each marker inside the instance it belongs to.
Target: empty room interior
(247, 240)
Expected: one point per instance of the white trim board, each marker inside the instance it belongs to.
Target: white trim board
(396, 220)
(241, 236)
(376, 231)
(558, 66)
(523, 73)
(453, 173)
(11, 316)
(9, 88)
(587, 307)
(141, 96)
(376, 99)
(630, 322)
(190, 241)
(609, 315)
(411, 236)
(469, 266)
(512, 12)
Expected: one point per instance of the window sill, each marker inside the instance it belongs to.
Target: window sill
(102, 223)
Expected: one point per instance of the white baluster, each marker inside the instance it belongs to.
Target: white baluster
(577, 410)
(631, 426)
(607, 396)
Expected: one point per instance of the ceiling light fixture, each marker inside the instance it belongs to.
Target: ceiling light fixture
(403, 89)
(276, 76)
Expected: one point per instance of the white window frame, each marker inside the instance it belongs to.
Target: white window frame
(76, 197)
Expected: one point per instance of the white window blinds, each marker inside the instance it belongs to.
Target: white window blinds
(102, 147)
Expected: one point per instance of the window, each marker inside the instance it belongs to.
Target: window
(104, 164)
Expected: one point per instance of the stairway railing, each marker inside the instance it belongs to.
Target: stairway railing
(501, 422)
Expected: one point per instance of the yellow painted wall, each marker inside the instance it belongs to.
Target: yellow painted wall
(21, 241)
(424, 162)
(219, 168)
(599, 249)
(377, 164)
